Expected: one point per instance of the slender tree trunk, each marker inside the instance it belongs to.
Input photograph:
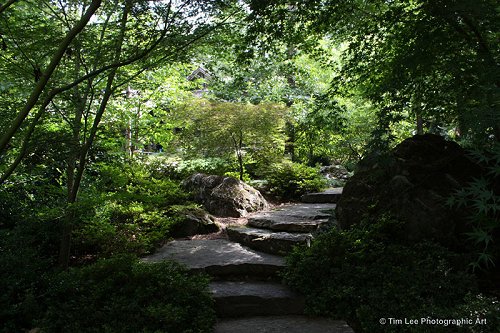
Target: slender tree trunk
(65, 248)
(420, 124)
(240, 164)
(136, 126)
(128, 138)
(27, 139)
(290, 142)
(416, 108)
(496, 130)
(74, 152)
(290, 127)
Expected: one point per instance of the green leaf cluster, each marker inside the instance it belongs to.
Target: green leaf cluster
(289, 180)
(481, 199)
(363, 275)
(123, 295)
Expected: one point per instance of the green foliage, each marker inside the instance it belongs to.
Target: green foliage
(126, 211)
(174, 168)
(239, 132)
(481, 197)
(437, 60)
(123, 295)
(26, 253)
(289, 180)
(366, 274)
(246, 176)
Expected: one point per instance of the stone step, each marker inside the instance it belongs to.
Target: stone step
(268, 241)
(310, 211)
(294, 218)
(288, 224)
(240, 299)
(328, 196)
(220, 258)
(282, 324)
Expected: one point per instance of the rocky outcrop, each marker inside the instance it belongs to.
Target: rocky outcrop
(335, 171)
(411, 184)
(225, 196)
(194, 221)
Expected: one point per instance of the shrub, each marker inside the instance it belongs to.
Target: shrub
(126, 210)
(290, 180)
(27, 254)
(364, 275)
(123, 295)
(175, 169)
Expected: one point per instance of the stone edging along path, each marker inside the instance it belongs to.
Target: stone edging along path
(246, 288)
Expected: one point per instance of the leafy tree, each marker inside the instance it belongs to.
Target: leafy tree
(82, 76)
(141, 114)
(224, 129)
(436, 61)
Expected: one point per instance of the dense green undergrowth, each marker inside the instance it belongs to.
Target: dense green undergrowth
(123, 295)
(365, 274)
(124, 210)
(283, 180)
(127, 210)
(118, 294)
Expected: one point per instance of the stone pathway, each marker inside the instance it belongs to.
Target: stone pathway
(246, 287)
(278, 231)
(219, 258)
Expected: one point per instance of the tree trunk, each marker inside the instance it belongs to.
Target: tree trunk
(420, 125)
(128, 139)
(290, 142)
(240, 164)
(65, 248)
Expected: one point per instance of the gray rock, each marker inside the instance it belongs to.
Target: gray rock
(225, 196)
(328, 196)
(282, 324)
(219, 257)
(335, 171)
(244, 298)
(268, 241)
(286, 223)
(194, 222)
(308, 211)
(294, 218)
(411, 184)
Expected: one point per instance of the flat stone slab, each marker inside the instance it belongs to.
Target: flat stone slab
(282, 324)
(308, 211)
(280, 223)
(255, 298)
(268, 241)
(219, 257)
(331, 195)
(294, 218)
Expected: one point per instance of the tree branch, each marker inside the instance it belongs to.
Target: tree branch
(27, 138)
(41, 84)
(7, 5)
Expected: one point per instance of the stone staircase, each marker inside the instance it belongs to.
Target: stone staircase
(245, 269)
(278, 231)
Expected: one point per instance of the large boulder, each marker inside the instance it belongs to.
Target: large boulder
(411, 184)
(225, 196)
(194, 221)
